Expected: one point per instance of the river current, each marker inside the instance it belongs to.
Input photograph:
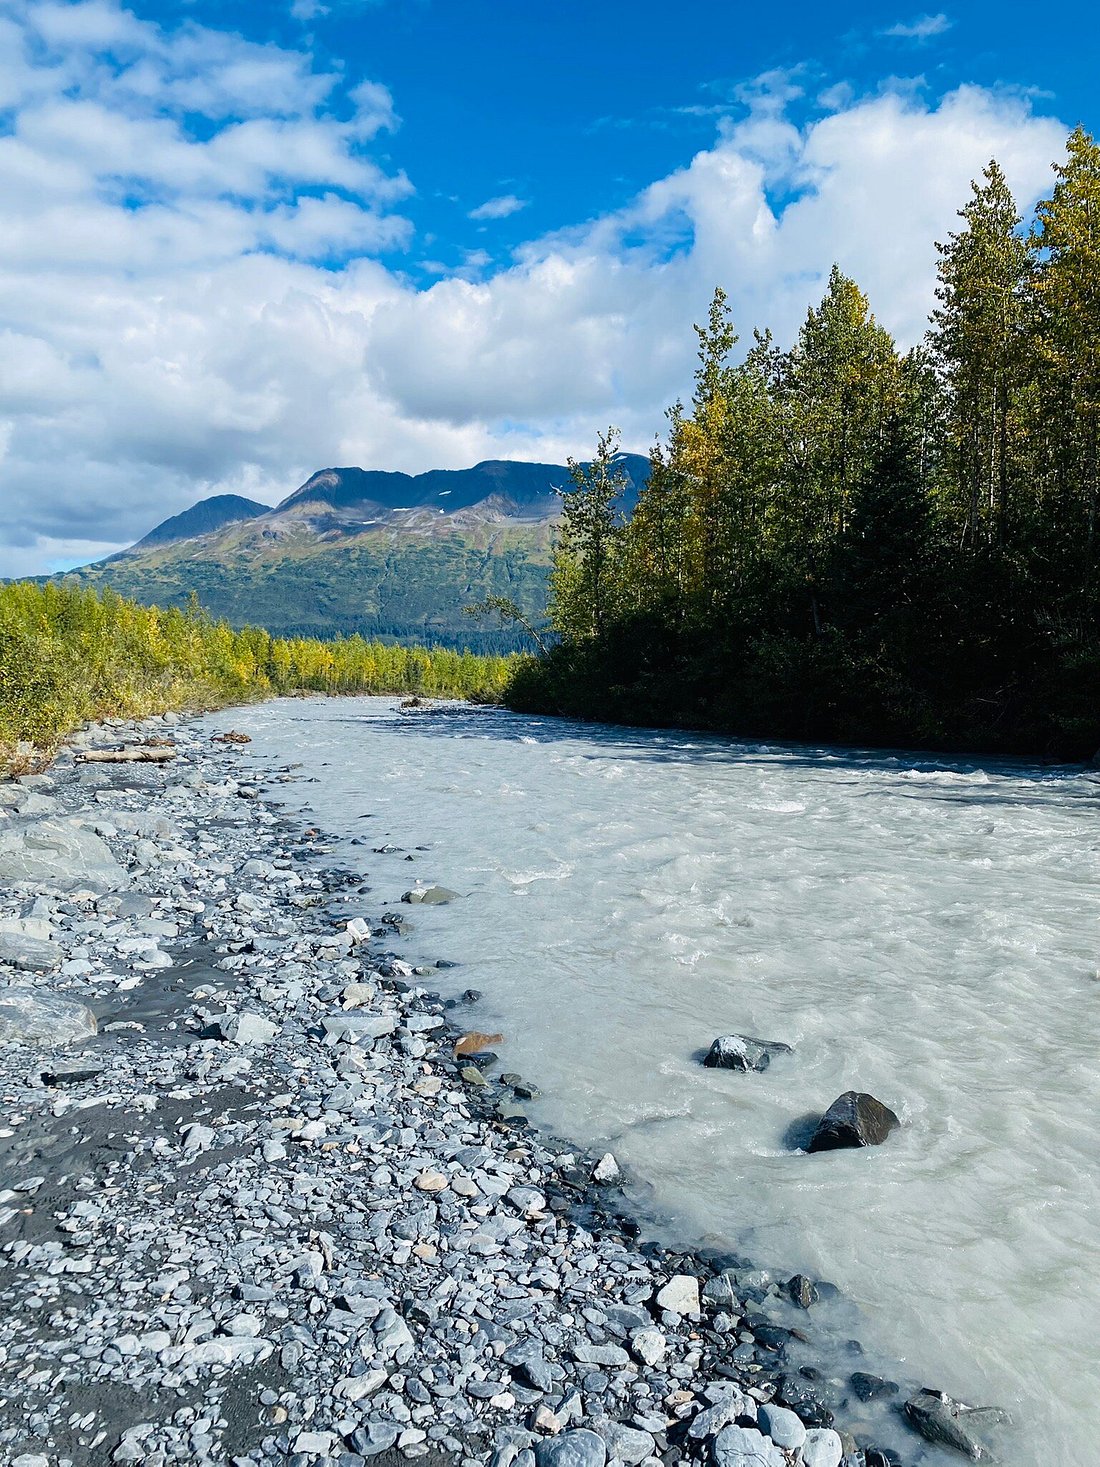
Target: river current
(925, 929)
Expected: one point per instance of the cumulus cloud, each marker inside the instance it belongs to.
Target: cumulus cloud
(499, 208)
(921, 29)
(194, 310)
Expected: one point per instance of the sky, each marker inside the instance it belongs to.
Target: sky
(240, 242)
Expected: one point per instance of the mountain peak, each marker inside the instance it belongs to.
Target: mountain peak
(202, 518)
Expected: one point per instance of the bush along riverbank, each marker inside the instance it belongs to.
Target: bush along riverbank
(69, 656)
(259, 1206)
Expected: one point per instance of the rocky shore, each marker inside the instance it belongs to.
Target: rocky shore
(254, 1209)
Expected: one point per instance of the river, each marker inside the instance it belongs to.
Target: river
(925, 929)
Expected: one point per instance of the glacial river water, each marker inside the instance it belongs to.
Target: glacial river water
(928, 930)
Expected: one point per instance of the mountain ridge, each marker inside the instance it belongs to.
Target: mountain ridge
(385, 554)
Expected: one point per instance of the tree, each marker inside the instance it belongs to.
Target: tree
(1066, 244)
(584, 581)
(978, 339)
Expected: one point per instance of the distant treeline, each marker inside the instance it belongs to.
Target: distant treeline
(69, 655)
(843, 542)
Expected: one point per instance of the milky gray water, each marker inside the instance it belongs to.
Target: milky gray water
(923, 929)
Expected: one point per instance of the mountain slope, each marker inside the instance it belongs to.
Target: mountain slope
(384, 554)
(202, 518)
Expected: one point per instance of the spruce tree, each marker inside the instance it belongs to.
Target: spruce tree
(979, 343)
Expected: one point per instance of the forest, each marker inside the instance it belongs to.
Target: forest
(843, 541)
(70, 655)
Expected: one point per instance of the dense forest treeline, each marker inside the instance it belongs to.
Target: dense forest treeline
(68, 656)
(843, 541)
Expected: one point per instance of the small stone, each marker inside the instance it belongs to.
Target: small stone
(476, 1043)
(783, 1426)
(572, 1449)
(319, 1443)
(822, 1448)
(649, 1345)
(742, 1446)
(544, 1420)
(606, 1169)
(430, 1182)
(680, 1295)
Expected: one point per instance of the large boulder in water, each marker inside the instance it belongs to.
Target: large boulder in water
(854, 1119)
(58, 854)
(952, 1424)
(742, 1052)
(36, 1016)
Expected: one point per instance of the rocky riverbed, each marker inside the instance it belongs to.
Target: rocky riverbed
(254, 1209)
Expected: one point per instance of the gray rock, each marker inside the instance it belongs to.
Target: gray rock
(952, 1424)
(429, 895)
(245, 1028)
(606, 1169)
(743, 1052)
(588, 1354)
(33, 1016)
(358, 1028)
(32, 954)
(680, 1295)
(59, 854)
(529, 1363)
(572, 1449)
(742, 1446)
(822, 1448)
(783, 1426)
(625, 1443)
(854, 1119)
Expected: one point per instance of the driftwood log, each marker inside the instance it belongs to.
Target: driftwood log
(141, 754)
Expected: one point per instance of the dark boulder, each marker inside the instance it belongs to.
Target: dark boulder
(854, 1119)
(743, 1052)
(802, 1291)
(952, 1424)
(871, 1387)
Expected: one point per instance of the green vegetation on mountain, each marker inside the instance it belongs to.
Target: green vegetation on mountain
(385, 555)
(375, 584)
(68, 656)
(842, 542)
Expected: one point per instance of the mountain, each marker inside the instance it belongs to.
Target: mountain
(388, 555)
(203, 519)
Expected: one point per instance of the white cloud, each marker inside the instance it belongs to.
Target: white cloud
(185, 313)
(921, 29)
(499, 208)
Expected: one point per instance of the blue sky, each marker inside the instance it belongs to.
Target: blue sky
(242, 242)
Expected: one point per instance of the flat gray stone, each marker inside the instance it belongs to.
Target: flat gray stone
(742, 1446)
(32, 954)
(822, 1448)
(572, 1449)
(783, 1426)
(35, 1016)
(58, 854)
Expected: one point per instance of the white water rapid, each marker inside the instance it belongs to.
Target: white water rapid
(926, 930)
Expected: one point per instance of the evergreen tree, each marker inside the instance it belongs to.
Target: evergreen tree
(978, 340)
(1066, 242)
(584, 583)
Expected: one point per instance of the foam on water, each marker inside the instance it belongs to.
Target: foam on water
(924, 929)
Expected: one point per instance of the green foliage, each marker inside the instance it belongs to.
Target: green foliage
(841, 542)
(68, 655)
(383, 586)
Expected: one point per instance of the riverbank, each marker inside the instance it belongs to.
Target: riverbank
(264, 1215)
